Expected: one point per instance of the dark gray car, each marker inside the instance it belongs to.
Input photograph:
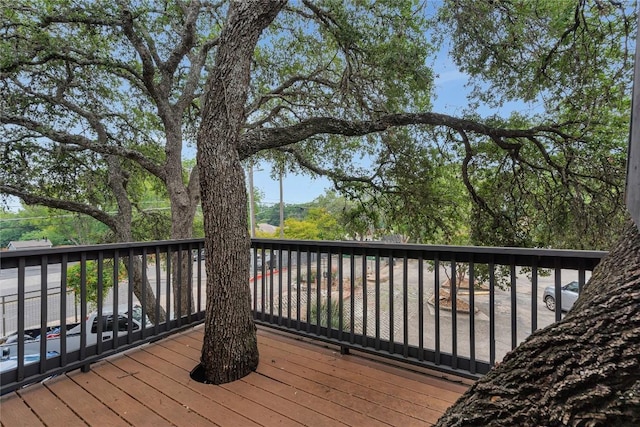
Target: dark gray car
(569, 295)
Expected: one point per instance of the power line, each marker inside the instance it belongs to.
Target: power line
(71, 215)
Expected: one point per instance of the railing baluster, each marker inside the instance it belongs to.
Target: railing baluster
(405, 302)
(83, 310)
(318, 289)
(201, 261)
(130, 295)
(254, 276)
(436, 281)
(44, 292)
(158, 283)
(420, 307)
(514, 302)
(178, 284)
(169, 284)
(298, 287)
(263, 285)
(391, 336)
(271, 284)
(100, 302)
(308, 281)
(534, 294)
(143, 302)
(63, 310)
(289, 288)
(189, 282)
(340, 295)
(365, 308)
(472, 317)
(21, 317)
(558, 289)
(453, 296)
(377, 299)
(352, 297)
(279, 286)
(115, 292)
(492, 313)
(329, 290)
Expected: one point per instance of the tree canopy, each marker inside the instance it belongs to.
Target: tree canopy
(99, 98)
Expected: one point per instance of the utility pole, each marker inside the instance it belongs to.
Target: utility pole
(252, 207)
(281, 208)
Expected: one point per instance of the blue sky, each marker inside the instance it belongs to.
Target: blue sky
(451, 99)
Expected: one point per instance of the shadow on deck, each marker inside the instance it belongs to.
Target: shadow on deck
(298, 382)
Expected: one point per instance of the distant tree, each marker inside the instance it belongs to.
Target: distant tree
(270, 214)
(60, 227)
(317, 225)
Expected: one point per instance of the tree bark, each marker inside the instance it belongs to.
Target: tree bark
(145, 293)
(581, 371)
(230, 349)
(184, 201)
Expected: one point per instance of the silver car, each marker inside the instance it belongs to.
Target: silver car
(568, 295)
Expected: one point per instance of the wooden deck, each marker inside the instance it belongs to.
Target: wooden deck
(298, 382)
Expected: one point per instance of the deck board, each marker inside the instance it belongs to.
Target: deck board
(16, 413)
(88, 407)
(47, 406)
(298, 382)
(126, 406)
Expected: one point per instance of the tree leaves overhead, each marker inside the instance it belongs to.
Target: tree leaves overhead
(369, 56)
(86, 82)
(564, 51)
(572, 62)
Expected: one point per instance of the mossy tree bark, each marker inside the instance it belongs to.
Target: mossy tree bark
(581, 371)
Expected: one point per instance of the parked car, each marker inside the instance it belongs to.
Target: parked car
(196, 253)
(569, 295)
(9, 344)
(268, 262)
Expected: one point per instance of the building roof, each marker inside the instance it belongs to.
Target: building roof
(267, 228)
(29, 244)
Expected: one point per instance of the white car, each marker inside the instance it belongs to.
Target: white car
(569, 295)
(9, 347)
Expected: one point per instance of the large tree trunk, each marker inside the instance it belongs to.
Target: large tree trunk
(145, 293)
(583, 370)
(121, 226)
(184, 200)
(182, 215)
(230, 349)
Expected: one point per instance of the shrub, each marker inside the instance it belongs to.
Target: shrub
(324, 314)
(74, 281)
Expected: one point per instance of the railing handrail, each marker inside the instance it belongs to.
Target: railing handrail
(5, 256)
(500, 255)
(8, 259)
